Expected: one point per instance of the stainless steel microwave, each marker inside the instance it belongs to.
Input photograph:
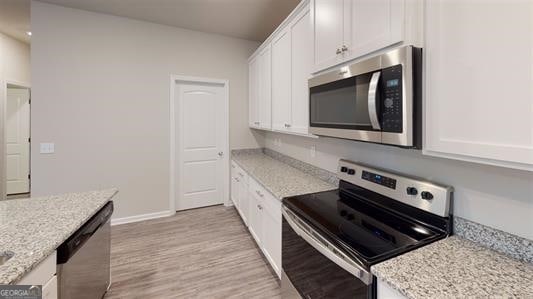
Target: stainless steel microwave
(375, 100)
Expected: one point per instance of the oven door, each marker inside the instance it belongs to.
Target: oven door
(315, 268)
(347, 108)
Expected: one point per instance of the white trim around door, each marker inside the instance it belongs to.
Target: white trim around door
(175, 143)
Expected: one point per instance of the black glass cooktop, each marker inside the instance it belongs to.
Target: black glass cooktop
(351, 218)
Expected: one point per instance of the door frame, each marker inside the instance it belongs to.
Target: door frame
(3, 132)
(174, 187)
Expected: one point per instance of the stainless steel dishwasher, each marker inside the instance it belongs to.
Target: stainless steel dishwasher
(83, 260)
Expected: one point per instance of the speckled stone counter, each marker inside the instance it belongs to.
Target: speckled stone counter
(33, 228)
(280, 179)
(457, 268)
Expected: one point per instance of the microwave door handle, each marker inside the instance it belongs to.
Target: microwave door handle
(372, 101)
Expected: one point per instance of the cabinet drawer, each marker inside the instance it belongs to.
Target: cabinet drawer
(238, 172)
(268, 201)
(255, 188)
(273, 206)
(41, 274)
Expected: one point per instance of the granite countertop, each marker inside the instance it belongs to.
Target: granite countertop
(457, 268)
(34, 227)
(280, 179)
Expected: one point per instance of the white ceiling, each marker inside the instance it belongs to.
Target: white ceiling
(15, 18)
(247, 19)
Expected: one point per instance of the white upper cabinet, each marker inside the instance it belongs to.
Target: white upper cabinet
(328, 32)
(479, 95)
(265, 89)
(253, 94)
(281, 80)
(301, 62)
(285, 62)
(347, 29)
(370, 25)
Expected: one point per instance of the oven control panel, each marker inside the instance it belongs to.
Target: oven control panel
(413, 191)
(379, 179)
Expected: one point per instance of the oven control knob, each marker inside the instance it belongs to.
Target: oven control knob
(412, 191)
(351, 171)
(344, 169)
(426, 195)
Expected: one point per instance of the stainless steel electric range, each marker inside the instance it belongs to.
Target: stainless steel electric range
(331, 239)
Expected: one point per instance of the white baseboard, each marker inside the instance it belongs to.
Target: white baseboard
(142, 217)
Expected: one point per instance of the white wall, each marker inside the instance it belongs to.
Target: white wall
(101, 94)
(497, 197)
(14, 68)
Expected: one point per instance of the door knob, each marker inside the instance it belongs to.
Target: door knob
(344, 48)
(338, 51)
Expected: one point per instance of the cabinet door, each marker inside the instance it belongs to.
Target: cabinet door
(479, 100)
(234, 190)
(244, 202)
(271, 224)
(281, 81)
(255, 222)
(327, 21)
(265, 97)
(302, 59)
(50, 289)
(370, 25)
(253, 94)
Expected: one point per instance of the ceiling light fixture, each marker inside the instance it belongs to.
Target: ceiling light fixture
(28, 33)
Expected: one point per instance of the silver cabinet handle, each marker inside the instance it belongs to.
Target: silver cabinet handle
(237, 180)
(257, 123)
(338, 51)
(259, 193)
(287, 125)
(220, 154)
(232, 166)
(259, 207)
(372, 105)
(344, 48)
(242, 175)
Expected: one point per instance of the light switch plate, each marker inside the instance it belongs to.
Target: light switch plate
(47, 148)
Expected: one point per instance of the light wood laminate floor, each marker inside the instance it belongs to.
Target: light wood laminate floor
(201, 253)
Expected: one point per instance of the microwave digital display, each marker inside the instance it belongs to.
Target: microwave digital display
(393, 83)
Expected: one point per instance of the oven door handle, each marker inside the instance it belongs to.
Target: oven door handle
(325, 247)
(372, 101)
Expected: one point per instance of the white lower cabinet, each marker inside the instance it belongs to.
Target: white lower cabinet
(50, 288)
(385, 291)
(44, 274)
(239, 191)
(261, 211)
(256, 225)
(271, 231)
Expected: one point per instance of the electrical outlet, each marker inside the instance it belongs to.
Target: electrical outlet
(312, 151)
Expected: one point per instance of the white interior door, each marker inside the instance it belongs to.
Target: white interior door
(17, 141)
(202, 143)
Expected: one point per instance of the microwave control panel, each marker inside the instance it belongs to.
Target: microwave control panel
(391, 106)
